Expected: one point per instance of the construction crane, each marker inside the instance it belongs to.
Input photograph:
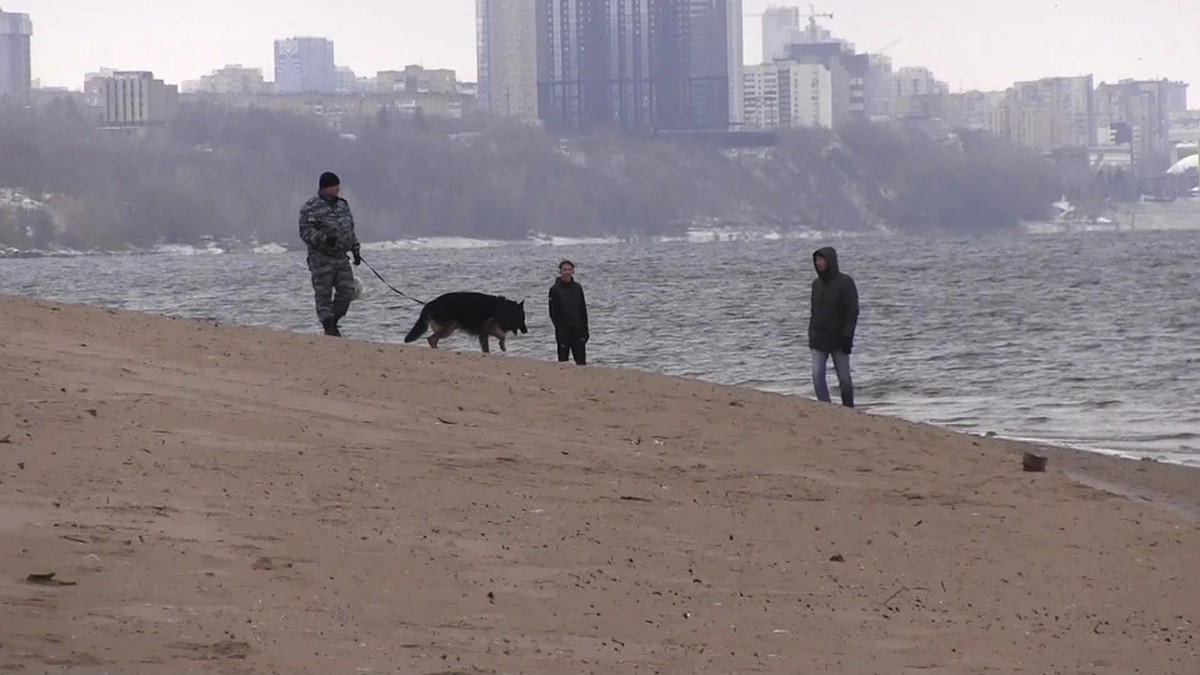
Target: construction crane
(889, 46)
(813, 30)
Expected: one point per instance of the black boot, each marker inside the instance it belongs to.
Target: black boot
(331, 327)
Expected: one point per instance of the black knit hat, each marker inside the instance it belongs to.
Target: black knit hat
(329, 179)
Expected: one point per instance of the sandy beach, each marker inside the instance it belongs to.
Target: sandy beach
(221, 499)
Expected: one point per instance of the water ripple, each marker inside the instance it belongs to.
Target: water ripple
(1088, 339)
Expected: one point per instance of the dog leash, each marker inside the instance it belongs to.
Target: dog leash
(395, 290)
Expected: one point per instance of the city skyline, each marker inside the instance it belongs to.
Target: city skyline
(967, 50)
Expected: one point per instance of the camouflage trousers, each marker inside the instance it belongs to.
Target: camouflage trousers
(333, 284)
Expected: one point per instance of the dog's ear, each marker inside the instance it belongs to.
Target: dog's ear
(521, 303)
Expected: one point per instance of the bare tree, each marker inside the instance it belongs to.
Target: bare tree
(223, 172)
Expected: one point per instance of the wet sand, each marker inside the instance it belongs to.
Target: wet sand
(225, 499)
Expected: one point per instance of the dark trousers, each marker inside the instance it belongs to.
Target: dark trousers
(571, 344)
(333, 285)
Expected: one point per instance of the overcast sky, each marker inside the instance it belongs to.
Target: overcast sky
(972, 44)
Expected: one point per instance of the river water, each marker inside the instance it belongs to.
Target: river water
(1087, 339)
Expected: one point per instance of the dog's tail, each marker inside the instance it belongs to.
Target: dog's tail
(420, 326)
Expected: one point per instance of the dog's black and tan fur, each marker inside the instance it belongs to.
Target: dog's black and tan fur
(474, 313)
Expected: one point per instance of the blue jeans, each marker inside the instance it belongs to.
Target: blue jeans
(841, 363)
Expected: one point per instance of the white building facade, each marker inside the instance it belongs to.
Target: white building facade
(136, 98)
(787, 95)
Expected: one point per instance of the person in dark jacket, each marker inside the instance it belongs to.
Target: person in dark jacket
(832, 324)
(568, 313)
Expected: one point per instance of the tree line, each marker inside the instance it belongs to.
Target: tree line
(243, 173)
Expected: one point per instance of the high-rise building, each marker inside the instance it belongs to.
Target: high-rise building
(973, 109)
(847, 70)
(917, 93)
(779, 25)
(735, 49)
(136, 99)
(305, 65)
(16, 71)
(917, 81)
(1177, 103)
(879, 93)
(346, 81)
(861, 82)
(1048, 114)
(506, 42)
(1144, 106)
(709, 45)
(638, 65)
(787, 95)
(595, 64)
(93, 86)
(781, 29)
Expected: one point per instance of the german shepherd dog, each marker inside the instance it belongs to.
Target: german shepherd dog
(474, 313)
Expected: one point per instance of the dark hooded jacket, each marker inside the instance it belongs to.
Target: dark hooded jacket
(834, 305)
(568, 309)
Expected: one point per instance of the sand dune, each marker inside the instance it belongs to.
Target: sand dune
(237, 500)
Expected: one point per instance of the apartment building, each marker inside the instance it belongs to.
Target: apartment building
(787, 95)
(507, 54)
(16, 65)
(136, 99)
(305, 65)
(1144, 106)
(1048, 114)
(639, 65)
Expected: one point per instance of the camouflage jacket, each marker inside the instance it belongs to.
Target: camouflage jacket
(320, 216)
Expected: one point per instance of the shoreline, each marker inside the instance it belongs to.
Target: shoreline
(1090, 448)
(253, 500)
(1100, 450)
(1167, 485)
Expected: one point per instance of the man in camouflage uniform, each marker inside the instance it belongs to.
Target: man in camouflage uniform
(327, 228)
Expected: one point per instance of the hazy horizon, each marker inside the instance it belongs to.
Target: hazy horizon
(989, 47)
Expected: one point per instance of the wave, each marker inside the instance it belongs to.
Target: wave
(187, 249)
(9, 252)
(543, 239)
(1147, 219)
(695, 235)
(426, 243)
(270, 249)
(709, 235)
(1179, 436)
